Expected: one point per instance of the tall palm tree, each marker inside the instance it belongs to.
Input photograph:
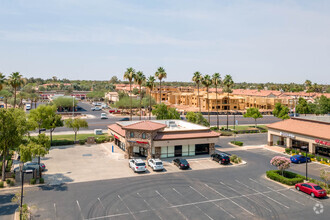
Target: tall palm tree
(160, 74)
(216, 79)
(228, 83)
(150, 84)
(197, 78)
(15, 80)
(2, 80)
(129, 75)
(207, 82)
(140, 78)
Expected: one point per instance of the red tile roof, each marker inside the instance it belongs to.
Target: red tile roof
(304, 127)
(185, 135)
(116, 128)
(145, 126)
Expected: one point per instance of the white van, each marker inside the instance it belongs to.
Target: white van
(27, 106)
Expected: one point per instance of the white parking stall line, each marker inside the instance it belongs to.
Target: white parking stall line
(246, 197)
(80, 210)
(214, 190)
(263, 194)
(277, 192)
(172, 205)
(212, 202)
(108, 216)
(55, 211)
(129, 210)
(147, 203)
(101, 203)
(194, 205)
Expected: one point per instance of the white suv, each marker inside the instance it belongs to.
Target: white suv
(137, 165)
(156, 164)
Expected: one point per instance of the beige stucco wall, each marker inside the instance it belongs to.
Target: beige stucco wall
(185, 142)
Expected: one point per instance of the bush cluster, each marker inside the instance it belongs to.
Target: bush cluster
(33, 181)
(312, 156)
(41, 180)
(82, 142)
(235, 159)
(246, 131)
(214, 128)
(1, 184)
(62, 142)
(288, 178)
(238, 143)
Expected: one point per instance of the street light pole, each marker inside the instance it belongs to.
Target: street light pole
(22, 178)
(306, 148)
(72, 106)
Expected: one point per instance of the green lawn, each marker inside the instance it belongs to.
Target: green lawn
(79, 136)
(246, 127)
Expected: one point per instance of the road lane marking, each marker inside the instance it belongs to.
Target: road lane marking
(108, 216)
(277, 192)
(55, 211)
(229, 199)
(148, 206)
(129, 210)
(263, 194)
(80, 210)
(199, 193)
(246, 197)
(182, 215)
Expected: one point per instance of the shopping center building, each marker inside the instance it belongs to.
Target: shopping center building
(163, 138)
(301, 132)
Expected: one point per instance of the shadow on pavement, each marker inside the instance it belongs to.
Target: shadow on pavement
(6, 206)
(60, 187)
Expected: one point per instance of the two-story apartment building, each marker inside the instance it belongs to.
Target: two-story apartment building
(163, 138)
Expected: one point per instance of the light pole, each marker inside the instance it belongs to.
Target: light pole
(21, 165)
(305, 148)
(72, 106)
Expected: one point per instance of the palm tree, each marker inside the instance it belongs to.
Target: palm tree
(15, 80)
(2, 80)
(140, 78)
(207, 82)
(150, 84)
(129, 75)
(228, 83)
(160, 74)
(197, 78)
(216, 79)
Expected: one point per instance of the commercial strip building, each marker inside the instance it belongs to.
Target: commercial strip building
(163, 138)
(298, 132)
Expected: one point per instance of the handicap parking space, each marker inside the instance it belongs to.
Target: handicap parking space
(248, 199)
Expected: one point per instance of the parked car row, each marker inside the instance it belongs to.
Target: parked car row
(31, 166)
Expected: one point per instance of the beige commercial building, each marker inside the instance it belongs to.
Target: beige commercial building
(299, 132)
(163, 138)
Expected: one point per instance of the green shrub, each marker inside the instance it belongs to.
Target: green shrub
(238, 143)
(318, 158)
(82, 142)
(214, 128)
(12, 183)
(233, 158)
(239, 160)
(13, 176)
(100, 140)
(288, 178)
(33, 181)
(288, 150)
(62, 142)
(41, 181)
(1, 184)
(8, 181)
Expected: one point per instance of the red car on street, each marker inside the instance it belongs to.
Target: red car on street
(312, 189)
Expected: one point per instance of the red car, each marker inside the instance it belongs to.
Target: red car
(312, 189)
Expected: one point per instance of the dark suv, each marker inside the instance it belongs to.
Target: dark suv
(221, 158)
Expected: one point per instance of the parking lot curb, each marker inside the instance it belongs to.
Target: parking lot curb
(281, 184)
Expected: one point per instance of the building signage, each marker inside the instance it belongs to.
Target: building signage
(322, 142)
(287, 135)
(139, 142)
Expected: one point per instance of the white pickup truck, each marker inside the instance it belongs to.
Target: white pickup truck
(137, 165)
(156, 164)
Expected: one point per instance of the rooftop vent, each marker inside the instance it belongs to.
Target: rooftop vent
(171, 124)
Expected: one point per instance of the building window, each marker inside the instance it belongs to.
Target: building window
(131, 134)
(143, 135)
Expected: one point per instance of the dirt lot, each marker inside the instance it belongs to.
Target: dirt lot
(80, 163)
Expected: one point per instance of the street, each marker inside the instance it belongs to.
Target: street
(97, 123)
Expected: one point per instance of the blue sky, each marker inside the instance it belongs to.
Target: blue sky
(254, 41)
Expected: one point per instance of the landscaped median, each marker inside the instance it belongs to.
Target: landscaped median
(313, 157)
(59, 140)
(240, 129)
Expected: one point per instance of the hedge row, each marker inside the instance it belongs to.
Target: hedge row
(288, 178)
(238, 143)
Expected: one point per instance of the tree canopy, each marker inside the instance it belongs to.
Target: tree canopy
(281, 111)
(161, 111)
(76, 124)
(253, 113)
(65, 102)
(197, 118)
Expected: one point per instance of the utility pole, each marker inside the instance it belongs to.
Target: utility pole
(72, 106)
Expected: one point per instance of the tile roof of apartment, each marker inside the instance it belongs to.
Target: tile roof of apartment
(185, 135)
(145, 126)
(304, 127)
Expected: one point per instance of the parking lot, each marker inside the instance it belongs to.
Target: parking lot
(79, 163)
(183, 197)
